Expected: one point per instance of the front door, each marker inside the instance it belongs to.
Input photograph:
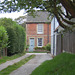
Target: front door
(31, 47)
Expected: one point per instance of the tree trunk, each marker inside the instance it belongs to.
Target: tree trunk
(68, 6)
(0, 53)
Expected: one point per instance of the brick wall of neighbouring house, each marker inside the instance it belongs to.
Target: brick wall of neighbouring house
(31, 32)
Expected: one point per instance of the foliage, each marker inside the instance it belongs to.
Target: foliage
(16, 36)
(12, 41)
(15, 66)
(6, 22)
(8, 58)
(48, 47)
(20, 39)
(63, 64)
(37, 52)
(27, 46)
(3, 37)
(40, 48)
(54, 7)
(21, 21)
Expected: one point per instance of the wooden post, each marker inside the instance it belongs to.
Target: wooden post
(5, 51)
(0, 53)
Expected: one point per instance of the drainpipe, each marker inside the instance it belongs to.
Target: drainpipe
(47, 33)
(54, 37)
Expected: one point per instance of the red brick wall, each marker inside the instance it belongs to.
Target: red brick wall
(31, 32)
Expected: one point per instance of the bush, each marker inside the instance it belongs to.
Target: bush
(12, 41)
(48, 47)
(16, 39)
(40, 48)
(20, 40)
(16, 36)
(27, 46)
(44, 47)
(3, 38)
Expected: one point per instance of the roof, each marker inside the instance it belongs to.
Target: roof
(41, 16)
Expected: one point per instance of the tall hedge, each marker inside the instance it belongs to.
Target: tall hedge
(3, 38)
(16, 35)
(20, 39)
(12, 41)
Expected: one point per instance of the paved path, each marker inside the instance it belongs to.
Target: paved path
(32, 64)
(11, 62)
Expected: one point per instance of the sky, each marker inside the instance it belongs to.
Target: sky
(12, 15)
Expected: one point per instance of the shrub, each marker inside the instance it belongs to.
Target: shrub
(3, 38)
(16, 36)
(48, 47)
(44, 47)
(20, 41)
(27, 46)
(12, 41)
(40, 48)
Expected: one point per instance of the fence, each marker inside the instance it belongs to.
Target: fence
(3, 52)
(65, 42)
(59, 44)
(69, 42)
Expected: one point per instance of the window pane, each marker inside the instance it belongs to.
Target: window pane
(40, 28)
(39, 41)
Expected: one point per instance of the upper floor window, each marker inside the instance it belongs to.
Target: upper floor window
(40, 29)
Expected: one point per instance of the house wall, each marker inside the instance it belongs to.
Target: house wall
(54, 25)
(31, 32)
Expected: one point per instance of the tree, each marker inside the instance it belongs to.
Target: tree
(16, 33)
(54, 7)
(21, 21)
(3, 38)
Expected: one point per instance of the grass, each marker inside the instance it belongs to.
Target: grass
(7, 58)
(36, 52)
(63, 64)
(15, 66)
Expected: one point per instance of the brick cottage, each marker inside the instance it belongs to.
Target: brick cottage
(38, 30)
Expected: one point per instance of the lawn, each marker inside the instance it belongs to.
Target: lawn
(63, 64)
(15, 66)
(36, 52)
(7, 58)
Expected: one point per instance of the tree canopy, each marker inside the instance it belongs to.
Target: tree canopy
(21, 21)
(54, 7)
(3, 37)
(16, 36)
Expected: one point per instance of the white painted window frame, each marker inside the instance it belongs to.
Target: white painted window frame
(37, 42)
(42, 29)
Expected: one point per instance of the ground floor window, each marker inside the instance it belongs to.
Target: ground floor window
(40, 42)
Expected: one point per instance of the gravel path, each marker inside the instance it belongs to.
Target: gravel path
(32, 64)
(11, 62)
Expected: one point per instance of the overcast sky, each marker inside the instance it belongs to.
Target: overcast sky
(12, 15)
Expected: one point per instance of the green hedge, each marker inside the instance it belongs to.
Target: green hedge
(12, 41)
(20, 39)
(40, 48)
(16, 35)
(3, 38)
(47, 47)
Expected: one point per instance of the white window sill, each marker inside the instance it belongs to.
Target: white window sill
(39, 33)
(39, 46)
